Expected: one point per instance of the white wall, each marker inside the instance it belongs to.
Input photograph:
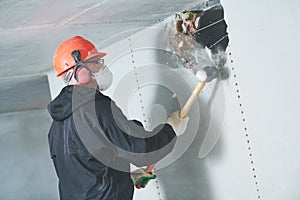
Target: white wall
(264, 54)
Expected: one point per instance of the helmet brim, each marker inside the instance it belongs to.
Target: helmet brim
(96, 55)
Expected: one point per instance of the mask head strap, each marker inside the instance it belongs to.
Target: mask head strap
(77, 57)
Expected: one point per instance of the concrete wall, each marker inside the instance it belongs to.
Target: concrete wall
(26, 170)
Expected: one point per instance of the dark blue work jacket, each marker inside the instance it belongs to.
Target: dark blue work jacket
(92, 144)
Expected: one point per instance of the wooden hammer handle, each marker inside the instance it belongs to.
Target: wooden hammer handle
(188, 105)
(186, 108)
(150, 168)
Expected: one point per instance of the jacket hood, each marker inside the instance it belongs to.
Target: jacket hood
(70, 99)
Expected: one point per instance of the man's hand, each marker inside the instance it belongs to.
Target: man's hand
(179, 125)
(141, 178)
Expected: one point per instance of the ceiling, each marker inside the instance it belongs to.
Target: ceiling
(31, 30)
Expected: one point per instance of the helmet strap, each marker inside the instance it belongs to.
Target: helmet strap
(79, 64)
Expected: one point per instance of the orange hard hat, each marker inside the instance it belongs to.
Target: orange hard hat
(63, 60)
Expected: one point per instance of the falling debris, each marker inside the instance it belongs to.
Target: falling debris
(200, 37)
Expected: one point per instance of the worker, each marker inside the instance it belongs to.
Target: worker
(91, 142)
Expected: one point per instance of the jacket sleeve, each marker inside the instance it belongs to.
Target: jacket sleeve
(133, 142)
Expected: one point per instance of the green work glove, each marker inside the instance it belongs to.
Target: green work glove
(141, 178)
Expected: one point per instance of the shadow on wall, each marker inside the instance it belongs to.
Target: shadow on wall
(188, 177)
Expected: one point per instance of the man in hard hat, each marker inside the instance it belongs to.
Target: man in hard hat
(91, 142)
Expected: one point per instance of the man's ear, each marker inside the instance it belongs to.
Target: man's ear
(83, 76)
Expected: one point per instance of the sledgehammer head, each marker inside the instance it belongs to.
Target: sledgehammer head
(207, 74)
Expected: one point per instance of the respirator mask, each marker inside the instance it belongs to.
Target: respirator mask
(103, 77)
(97, 70)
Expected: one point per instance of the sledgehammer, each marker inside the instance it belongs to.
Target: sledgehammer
(207, 74)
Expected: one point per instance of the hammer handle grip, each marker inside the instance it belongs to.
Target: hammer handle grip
(188, 105)
(150, 168)
(186, 108)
